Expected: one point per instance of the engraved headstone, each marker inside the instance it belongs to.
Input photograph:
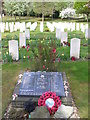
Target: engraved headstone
(64, 37)
(13, 49)
(27, 33)
(36, 83)
(87, 33)
(75, 48)
(22, 40)
(58, 33)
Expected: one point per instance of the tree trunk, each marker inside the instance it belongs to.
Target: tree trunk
(42, 17)
(19, 18)
(87, 17)
(15, 18)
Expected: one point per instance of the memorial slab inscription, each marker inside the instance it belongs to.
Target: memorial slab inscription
(36, 83)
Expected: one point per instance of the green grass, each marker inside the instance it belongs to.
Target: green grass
(77, 73)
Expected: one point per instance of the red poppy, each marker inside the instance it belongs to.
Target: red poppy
(23, 46)
(54, 50)
(43, 66)
(52, 95)
(68, 44)
(73, 58)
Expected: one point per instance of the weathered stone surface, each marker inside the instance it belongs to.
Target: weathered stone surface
(64, 112)
(36, 83)
(40, 112)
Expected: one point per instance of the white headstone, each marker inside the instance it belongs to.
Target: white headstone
(73, 27)
(87, 33)
(7, 26)
(11, 25)
(64, 37)
(41, 26)
(33, 26)
(13, 49)
(0, 36)
(2, 27)
(50, 26)
(58, 33)
(27, 33)
(22, 27)
(75, 48)
(77, 26)
(22, 40)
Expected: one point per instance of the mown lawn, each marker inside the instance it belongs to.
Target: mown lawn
(77, 73)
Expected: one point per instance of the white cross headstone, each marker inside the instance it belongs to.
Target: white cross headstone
(13, 49)
(27, 33)
(75, 48)
(87, 33)
(22, 40)
(64, 37)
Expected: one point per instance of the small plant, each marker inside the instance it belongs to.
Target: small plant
(47, 30)
(45, 61)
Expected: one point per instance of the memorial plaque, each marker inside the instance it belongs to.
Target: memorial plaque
(36, 83)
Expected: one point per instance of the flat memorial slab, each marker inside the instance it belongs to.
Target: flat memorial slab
(36, 83)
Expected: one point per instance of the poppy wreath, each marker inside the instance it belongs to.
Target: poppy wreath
(52, 95)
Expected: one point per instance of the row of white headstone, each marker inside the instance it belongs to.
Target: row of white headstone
(14, 49)
(62, 25)
(17, 26)
(63, 35)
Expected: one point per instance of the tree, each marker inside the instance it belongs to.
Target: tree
(17, 8)
(43, 8)
(81, 8)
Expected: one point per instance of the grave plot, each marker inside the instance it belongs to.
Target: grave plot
(34, 84)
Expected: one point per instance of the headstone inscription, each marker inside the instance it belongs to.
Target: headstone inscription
(36, 83)
(75, 48)
(13, 49)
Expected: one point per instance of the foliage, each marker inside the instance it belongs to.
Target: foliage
(67, 13)
(81, 8)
